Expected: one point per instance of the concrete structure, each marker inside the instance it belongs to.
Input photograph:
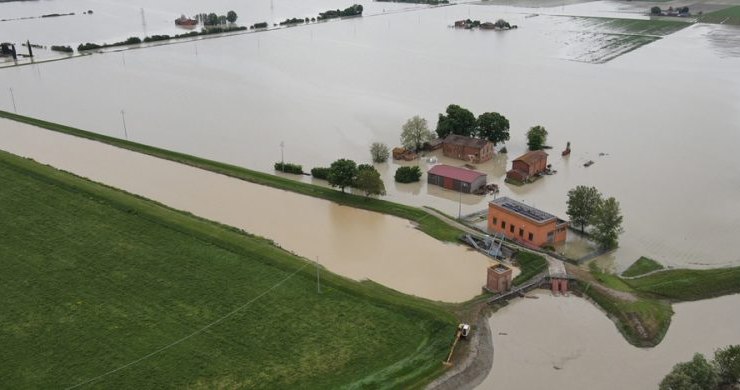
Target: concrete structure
(454, 178)
(469, 149)
(499, 278)
(527, 166)
(525, 224)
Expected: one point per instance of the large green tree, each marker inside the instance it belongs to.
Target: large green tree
(493, 127)
(414, 133)
(342, 173)
(457, 121)
(582, 205)
(727, 363)
(607, 223)
(369, 182)
(697, 374)
(231, 16)
(536, 137)
(379, 152)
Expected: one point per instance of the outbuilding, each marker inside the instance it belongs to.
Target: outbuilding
(454, 178)
(469, 149)
(527, 166)
(525, 224)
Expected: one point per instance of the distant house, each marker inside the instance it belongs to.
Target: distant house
(468, 149)
(525, 224)
(527, 166)
(454, 178)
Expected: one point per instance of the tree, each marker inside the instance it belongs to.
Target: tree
(414, 133)
(536, 137)
(582, 205)
(457, 121)
(607, 223)
(369, 181)
(727, 363)
(211, 19)
(379, 152)
(697, 374)
(656, 10)
(342, 173)
(407, 174)
(493, 127)
(231, 16)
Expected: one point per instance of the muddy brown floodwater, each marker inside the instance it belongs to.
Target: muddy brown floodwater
(566, 342)
(355, 243)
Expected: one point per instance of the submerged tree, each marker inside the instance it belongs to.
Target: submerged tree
(342, 173)
(414, 133)
(231, 16)
(369, 182)
(582, 205)
(379, 152)
(536, 137)
(457, 121)
(493, 127)
(697, 374)
(607, 224)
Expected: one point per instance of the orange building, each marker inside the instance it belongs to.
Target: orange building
(525, 224)
(470, 149)
(499, 278)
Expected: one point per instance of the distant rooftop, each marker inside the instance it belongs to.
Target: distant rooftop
(456, 173)
(520, 208)
(531, 157)
(462, 140)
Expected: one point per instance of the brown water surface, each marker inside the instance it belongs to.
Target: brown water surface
(350, 242)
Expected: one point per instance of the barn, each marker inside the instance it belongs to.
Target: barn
(454, 178)
(527, 166)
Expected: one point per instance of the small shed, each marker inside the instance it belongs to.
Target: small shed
(469, 149)
(458, 179)
(499, 278)
(527, 166)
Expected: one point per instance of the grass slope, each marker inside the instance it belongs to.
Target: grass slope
(642, 266)
(94, 279)
(729, 15)
(689, 284)
(426, 222)
(530, 264)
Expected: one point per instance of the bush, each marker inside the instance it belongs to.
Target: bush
(65, 49)
(320, 173)
(88, 46)
(289, 168)
(133, 41)
(655, 10)
(408, 174)
(260, 25)
(379, 152)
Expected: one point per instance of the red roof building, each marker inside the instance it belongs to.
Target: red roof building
(527, 166)
(454, 178)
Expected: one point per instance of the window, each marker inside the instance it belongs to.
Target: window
(521, 232)
(531, 236)
(503, 224)
(511, 228)
(495, 221)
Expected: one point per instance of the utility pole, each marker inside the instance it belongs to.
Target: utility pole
(282, 159)
(123, 118)
(12, 97)
(459, 204)
(318, 278)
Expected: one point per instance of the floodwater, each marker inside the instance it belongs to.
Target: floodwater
(572, 334)
(355, 243)
(666, 115)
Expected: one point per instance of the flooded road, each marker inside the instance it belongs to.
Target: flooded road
(573, 335)
(355, 243)
(665, 115)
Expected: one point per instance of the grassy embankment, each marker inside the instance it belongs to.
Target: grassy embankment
(427, 223)
(642, 266)
(729, 15)
(645, 318)
(530, 264)
(94, 279)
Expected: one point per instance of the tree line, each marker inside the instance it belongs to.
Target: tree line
(588, 208)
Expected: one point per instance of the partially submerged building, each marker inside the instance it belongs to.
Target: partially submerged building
(469, 149)
(499, 278)
(525, 224)
(527, 166)
(458, 179)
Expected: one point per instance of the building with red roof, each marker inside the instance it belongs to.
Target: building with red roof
(454, 178)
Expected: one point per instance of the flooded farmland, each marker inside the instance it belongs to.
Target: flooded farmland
(564, 342)
(664, 115)
(355, 243)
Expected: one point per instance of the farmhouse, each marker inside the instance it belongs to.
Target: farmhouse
(467, 148)
(458, 179)
(525, 224)
(527, 166)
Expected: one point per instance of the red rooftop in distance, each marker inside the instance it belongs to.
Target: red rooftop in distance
(454, 178)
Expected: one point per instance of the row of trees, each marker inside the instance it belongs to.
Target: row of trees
(699, 374)
(345, 173)
(212, 19)
(491, 126)
(587, 207)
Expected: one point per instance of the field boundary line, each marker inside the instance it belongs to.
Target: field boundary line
(201, 330)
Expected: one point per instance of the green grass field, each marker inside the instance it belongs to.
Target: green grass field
(427, 223)
(642, 266)
(95, 279)
(729, 15)
(530, 264)
(688, 284)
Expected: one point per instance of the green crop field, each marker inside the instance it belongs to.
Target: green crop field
(729, 15)
(107, 290)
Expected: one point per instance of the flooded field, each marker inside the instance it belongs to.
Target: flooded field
(665, 115)
(559, 342)
(355, 243)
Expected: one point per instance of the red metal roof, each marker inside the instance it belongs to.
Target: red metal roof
(456, 173)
